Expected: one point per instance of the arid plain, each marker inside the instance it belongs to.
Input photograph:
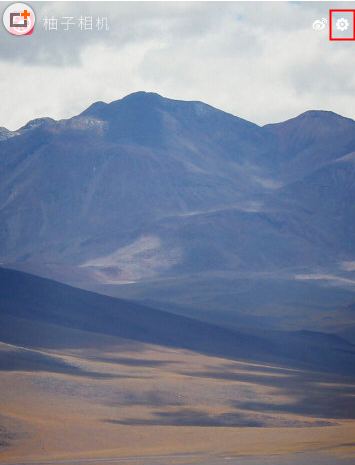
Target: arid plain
(124, 402)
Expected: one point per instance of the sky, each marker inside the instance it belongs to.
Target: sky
(261, 61)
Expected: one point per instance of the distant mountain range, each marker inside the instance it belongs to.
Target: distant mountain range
(188, 208)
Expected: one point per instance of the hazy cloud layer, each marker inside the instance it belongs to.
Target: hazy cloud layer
(260, 61)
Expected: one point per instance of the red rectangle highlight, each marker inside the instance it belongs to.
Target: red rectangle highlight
(330, 25)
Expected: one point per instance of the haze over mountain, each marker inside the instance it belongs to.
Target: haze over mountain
(189, 208)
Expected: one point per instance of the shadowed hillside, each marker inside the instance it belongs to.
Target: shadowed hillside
(36, 312)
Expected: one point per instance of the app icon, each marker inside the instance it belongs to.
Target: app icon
(319, 24)
(19, 19)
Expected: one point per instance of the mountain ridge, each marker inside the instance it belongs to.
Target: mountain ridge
(148, 194)
(157, 97)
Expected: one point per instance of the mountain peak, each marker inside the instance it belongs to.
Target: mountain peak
(317, 114)
(139, 98)
(313, 118)
(37, 123)
(311, 140)
(322, 116)
(144, 96)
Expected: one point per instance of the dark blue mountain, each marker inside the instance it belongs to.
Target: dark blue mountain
(188, 206)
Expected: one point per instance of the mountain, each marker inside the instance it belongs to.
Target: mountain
(310, 141)
(115, 168)
(188, 207)
(40, 313)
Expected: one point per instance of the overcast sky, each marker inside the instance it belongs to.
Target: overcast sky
(260, 61)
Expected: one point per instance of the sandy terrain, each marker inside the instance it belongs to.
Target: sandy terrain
(156, 405)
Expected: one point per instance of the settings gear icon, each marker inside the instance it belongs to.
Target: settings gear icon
(342, 24)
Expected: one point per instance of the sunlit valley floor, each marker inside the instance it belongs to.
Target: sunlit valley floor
(119, 402)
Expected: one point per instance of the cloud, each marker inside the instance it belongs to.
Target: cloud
(262, 62)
